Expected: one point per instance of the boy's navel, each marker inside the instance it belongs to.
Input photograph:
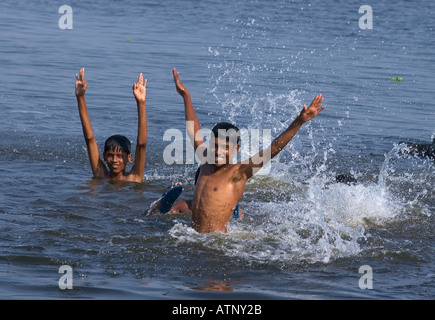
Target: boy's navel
(215, 188)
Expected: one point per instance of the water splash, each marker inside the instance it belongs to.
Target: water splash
(322, 222)
(411, 178)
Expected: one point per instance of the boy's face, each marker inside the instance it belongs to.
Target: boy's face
(223, 151)
(117, 159)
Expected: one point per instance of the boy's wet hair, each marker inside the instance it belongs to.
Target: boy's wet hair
(232, 133)
(118, 142)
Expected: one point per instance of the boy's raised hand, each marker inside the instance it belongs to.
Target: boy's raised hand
(181, 89)
(81, 84)
(139, 89)
(313, 110)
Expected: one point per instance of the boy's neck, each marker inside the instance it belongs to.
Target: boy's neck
(216, 168)
(117, 176)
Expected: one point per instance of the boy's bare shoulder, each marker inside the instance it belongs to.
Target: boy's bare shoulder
(242, 171)
(236, 172)
(131, 177)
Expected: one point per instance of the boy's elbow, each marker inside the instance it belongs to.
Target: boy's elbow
(89, 138)
(142, 139)
(141, 144)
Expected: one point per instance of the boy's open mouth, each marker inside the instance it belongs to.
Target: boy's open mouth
(220, 159)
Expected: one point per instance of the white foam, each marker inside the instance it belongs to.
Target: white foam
(323, 222)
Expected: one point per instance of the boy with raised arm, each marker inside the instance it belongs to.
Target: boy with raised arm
(117, 148)
(221, 183)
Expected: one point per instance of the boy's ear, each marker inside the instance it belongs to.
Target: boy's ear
(130, 157)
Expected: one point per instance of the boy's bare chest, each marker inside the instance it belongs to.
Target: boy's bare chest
(219, 189)
(219, 185)
(215, 186)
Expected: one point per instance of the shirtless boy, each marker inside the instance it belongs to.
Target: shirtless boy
(117, 149)
(221, 183)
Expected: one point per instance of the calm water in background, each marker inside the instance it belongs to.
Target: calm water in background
(251, 62)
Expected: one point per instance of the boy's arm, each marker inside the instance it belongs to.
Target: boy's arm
(139, 92)
(260, 159)
(192, 122)
(98, 167)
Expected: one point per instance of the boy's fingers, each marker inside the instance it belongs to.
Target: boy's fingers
(175, 73)
(320, 100)
(317, 100)
(82, 74)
